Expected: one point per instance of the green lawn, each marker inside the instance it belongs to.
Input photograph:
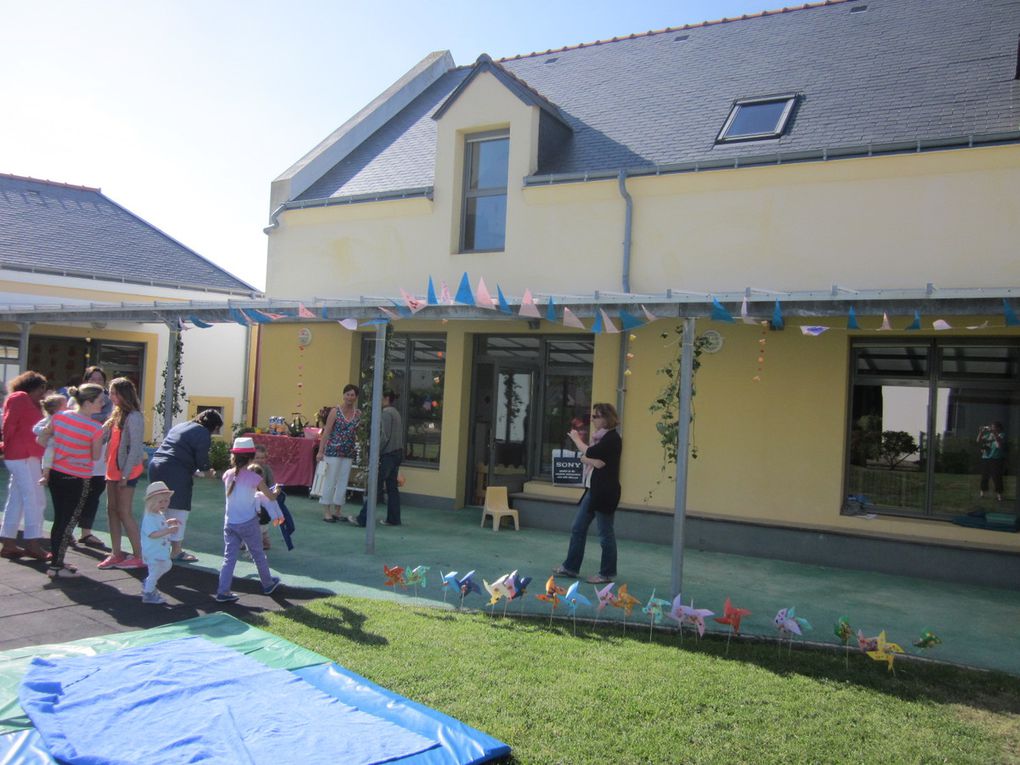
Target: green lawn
(605, 696)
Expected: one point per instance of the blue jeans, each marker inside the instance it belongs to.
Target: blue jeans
(579, 535)
(389, 466)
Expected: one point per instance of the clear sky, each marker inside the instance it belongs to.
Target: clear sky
(184, 111)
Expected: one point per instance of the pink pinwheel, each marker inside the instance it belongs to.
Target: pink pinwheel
(689, 615)
(605, 596)
(788, 623)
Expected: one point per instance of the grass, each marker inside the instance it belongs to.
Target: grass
(606, 695)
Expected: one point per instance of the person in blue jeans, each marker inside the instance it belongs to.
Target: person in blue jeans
(601, 498)
(391, 454)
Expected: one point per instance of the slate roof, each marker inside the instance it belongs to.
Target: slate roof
(76, 230)
(899, 71)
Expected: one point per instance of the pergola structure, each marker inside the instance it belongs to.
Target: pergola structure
(684, 306)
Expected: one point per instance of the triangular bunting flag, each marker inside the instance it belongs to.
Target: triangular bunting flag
(528, 308)
(413, 304)
(403, 310)
(851, 319)
(649, 315)
(350, 324)
(886, 326)
(570, 319)
(275, 316)
(719, 313)
(389, 313)
(550, 310)
(464, 294)
(239, 317)
(180, 325)
(813, 331)
(744, 317)
(374, 322)
(916, 323)
(444, 295)
(982, 325)
(940, 325)
(304, 313)
(1011, 319)
(257, 316)
(777, 317)
(482, 297)
(430, 294)
(607, 323)
(504, 306)
(324, 312)
(596, 328)
(199, 323)
(629, 321)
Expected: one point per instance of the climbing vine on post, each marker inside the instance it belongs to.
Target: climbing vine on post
(667, 403)
(178, 393)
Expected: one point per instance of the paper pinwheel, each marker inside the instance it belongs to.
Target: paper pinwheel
(467, 585)
(885, 651)
(865, 643)
(449, 579)
(843, 630)
(731, 616)
(691, 616)
(605, 596)
(552, 592)
(497, 589)
(394, 576)
(625, 600)
(573, 598)
(416, 576)
(788, 623)
(927, 640)
(653, 608)
(520, 586)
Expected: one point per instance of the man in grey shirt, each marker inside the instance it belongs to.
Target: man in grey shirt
(391, 454)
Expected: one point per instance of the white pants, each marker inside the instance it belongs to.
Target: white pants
(182, 523)
(156, 569)
(334, 486)
(26, 500)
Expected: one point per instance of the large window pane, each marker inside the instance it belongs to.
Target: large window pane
(489, 163)
(485, 223)
(486, 165)
(567, 406)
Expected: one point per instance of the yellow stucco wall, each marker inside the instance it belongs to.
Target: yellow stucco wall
(768, 451)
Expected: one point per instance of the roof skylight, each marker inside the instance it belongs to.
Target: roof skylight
(753, 119)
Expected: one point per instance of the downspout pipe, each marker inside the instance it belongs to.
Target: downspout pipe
(628, 220)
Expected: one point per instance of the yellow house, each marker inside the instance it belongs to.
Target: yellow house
(846, 174)
(70, 251)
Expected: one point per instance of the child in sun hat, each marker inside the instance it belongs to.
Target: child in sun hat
(241, 524)
(155, 533)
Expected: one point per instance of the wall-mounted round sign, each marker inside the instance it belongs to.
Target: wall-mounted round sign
(304, 336)
(712, 341)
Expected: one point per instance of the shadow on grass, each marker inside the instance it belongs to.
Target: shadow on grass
(915, 678)
(343, 621)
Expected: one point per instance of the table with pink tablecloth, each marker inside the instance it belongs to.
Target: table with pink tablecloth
(291, 459)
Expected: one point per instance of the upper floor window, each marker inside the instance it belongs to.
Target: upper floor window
(752, 119)
(483, 216)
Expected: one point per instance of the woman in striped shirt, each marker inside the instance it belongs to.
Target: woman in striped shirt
(78, 443)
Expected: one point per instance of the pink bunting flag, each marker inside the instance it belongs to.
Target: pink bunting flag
(982, 325)
(940, 325)
(570, 319)
(528, 308)
(180, 325)
(813, 331)
(274, 316)
(389, 313)
(607, 324)
(445, 298)
(351, 324)
(304, 313)
(482, 297)
(886, 326)
(649, 315)
(411, 301)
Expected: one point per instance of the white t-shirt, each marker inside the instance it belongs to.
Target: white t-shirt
(241, 503)
(158, 548)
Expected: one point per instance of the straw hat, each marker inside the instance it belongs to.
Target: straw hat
(156, 488)
(243, 445)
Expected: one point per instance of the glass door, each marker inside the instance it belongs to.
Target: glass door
(502, 430)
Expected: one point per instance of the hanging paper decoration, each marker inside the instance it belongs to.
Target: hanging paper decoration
(430, 294)
(199, 323)
(303, 337)
(550, 310)
(444, 295)
(482, 297)
(928, 640)
(596, 328)
(1010, 314)
(886, 326)
(180, 325)
(649, 316)
(413, 304)
(982, 325)
(349, 324)
(940, 325)
(570, 319)
(324, 312)
(390, 314)
(464, 295)
(719, 313)
(528, 308)
(629, 321)
(239, 317)
(777, 317)
(885, 651)
(304, 313)
(851, 320)
(744, 317)
(504, 307)
(762, 341)
(394, 576)
(915, 324)
(813, 331)
(607, 323)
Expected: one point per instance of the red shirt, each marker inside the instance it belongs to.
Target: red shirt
(20, 414)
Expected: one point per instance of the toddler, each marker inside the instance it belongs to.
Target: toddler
(53, 403)
(261, 466)
(241, 524)
(155, 532)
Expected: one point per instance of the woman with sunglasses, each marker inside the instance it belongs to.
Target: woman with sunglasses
(601, 498)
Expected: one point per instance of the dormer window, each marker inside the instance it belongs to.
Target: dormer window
(754, 119)
(483, 217)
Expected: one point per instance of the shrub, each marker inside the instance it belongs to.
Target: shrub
(219, 456)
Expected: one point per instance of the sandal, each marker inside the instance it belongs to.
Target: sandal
(91, 540)
(599, 579)
(560, 571)
(184, 557)
(331, 519)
